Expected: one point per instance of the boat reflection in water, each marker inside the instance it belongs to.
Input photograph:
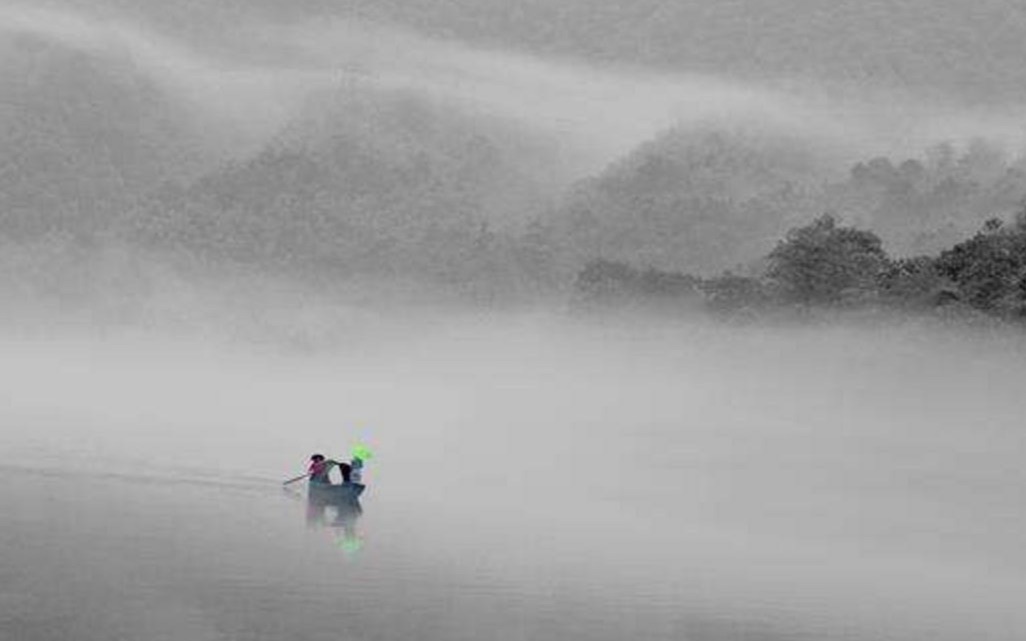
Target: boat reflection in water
(336, 506)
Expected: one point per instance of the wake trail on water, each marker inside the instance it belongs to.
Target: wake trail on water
(168, 477)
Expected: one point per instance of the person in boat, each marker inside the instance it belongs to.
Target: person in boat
(346, 471)
(319, 469)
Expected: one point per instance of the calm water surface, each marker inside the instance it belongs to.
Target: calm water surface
(529, 484)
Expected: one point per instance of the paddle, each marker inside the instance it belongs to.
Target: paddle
(328, 463)
(298, 478)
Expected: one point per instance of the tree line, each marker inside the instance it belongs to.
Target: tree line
(826, 264)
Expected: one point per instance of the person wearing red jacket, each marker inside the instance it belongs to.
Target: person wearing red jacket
(319, 469)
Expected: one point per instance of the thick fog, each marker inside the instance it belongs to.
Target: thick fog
(256, 78)
(550, 263)
(566, 479)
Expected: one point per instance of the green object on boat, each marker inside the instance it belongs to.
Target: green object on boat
(362, 452)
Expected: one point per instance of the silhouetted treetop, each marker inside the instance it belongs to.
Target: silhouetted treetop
(820, 262)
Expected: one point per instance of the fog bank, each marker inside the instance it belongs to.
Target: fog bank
(601, 111)
(801, 481)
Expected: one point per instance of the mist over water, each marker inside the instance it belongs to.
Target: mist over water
(235, 235)
(534, 478)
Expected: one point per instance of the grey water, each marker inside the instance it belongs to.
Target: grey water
(532, 479)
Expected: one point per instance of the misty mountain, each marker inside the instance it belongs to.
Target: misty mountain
(922, 205)
(693, 202)
(364, 183)
(398, 166)
(703, 203)
(82, 138)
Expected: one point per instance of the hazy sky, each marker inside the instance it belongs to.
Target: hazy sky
(603, 110)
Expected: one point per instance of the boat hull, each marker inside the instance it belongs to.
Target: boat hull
(334, 494)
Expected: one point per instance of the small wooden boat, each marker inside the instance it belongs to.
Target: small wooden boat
(334, 494)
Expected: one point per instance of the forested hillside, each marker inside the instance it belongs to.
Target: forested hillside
(826, 266)
(689, 201)
(365, 184)
(83, 138)
(703, 203)
(116, 148)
